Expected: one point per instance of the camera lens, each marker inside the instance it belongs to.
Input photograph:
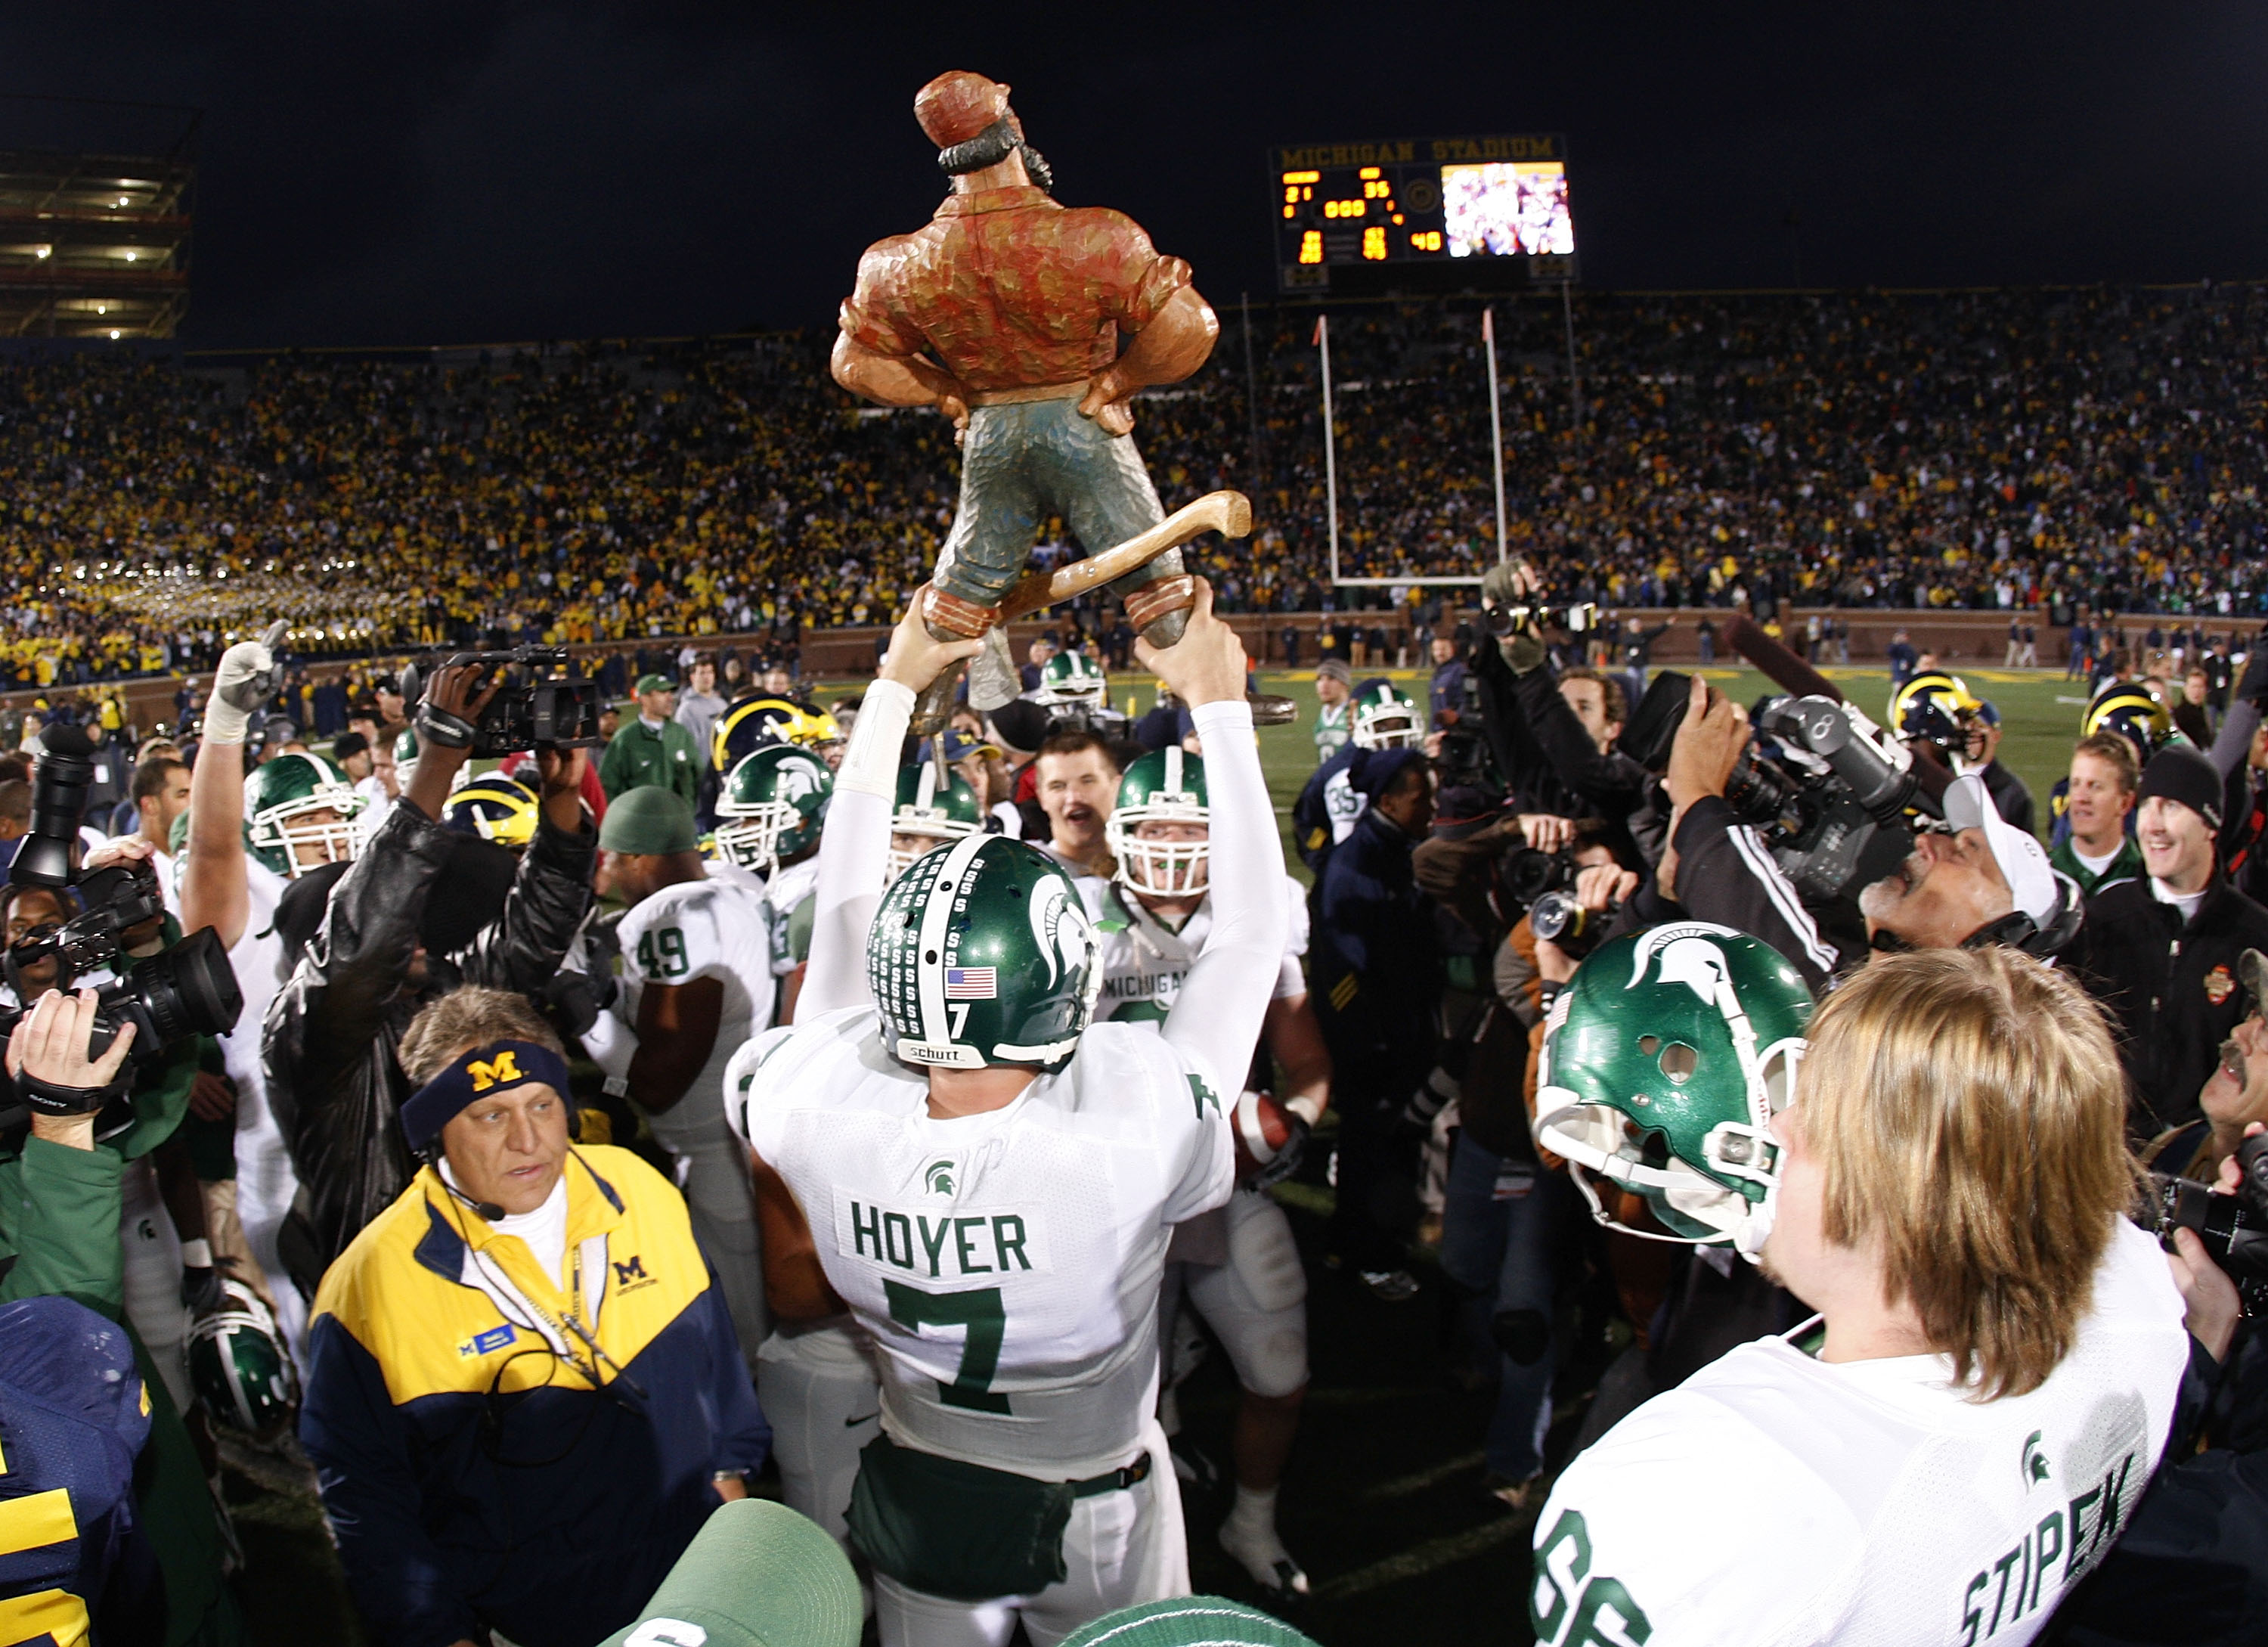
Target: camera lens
(189, 990)
(1556, 917)
(1529, 874)
(59, 787)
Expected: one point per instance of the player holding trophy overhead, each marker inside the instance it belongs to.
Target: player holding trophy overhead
(948, 1148)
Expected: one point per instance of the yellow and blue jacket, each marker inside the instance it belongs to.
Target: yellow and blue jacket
(74, 1417)
(480, 1464)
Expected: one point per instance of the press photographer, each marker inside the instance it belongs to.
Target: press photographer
(70, 1061)
(1969, 879)
(1554, 736)
(423, 910)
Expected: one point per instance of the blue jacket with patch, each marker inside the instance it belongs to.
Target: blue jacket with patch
(480, 1466)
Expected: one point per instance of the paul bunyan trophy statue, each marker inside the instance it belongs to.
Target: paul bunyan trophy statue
(1003, 312)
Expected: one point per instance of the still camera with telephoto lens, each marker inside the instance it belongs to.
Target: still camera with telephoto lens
(186, 990)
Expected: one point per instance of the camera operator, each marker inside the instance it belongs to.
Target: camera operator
(1553, 737)
(2200, 1532)
(161, 1226)
(59, 1197)
(1979, 881)
(61, 1202)
(2234, 1097)
(1936, 1163)
(421, 911)
(2163, 951)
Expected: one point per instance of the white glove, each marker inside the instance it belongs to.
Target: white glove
(246, 680)
(611, 1044)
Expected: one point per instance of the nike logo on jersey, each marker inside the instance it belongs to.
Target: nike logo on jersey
(939, 1246)
(853, 1423)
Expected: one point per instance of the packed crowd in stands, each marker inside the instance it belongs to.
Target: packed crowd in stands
(2096, 448)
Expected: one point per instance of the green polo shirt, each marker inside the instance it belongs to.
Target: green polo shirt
(643, 757)
(2127, 866)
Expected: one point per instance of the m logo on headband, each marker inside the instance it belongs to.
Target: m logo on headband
(501, 1070)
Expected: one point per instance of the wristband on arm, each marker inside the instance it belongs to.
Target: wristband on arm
(44, 1097)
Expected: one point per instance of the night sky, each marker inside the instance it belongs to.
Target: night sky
(465, 172)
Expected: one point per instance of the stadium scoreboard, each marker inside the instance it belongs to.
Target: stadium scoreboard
(1430, 212)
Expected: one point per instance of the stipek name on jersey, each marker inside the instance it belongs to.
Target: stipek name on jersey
(940, 1246)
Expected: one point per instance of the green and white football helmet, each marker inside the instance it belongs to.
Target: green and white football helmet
(1071, 680)
(1385, 720)
(1663, 1064)
(1166, 786)
(238, 1365)
(773, 806)
(282, 793)
(981, 954)
(927, 814)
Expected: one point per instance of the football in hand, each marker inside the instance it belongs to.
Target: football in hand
(1262, 1129)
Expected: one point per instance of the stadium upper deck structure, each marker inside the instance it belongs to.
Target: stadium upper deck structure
(94, 239)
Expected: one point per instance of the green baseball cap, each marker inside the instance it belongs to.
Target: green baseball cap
(1187, 1622)
(756, 1575)
(654, 683)
(649, 822)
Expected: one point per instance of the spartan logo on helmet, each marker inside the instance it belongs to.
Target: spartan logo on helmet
(302, 815)
(1663, 1064)
(981, 954)
(773, 806)
(237, 1363)
(1070, 680)
(1061, 929)
(928, 813)
(1159, 829)
(1384, 719)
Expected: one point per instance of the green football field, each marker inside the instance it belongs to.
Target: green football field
(1383, 1503)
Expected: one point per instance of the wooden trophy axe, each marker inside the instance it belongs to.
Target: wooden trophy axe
(1227, 513)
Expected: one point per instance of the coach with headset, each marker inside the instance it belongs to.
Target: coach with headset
(524, 1391)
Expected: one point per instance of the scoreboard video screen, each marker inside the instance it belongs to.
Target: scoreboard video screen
(1463, 205)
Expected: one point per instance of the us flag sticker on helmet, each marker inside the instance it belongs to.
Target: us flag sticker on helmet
(970, 983)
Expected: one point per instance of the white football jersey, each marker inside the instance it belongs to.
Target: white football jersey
(731, 874)
(1007, 1265)
(257, 960)
(1342, 804)
(789, 886)
(1144, 961)
(702, 929)
(1774, 1499)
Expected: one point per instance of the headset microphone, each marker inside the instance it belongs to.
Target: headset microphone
(488, 1210)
